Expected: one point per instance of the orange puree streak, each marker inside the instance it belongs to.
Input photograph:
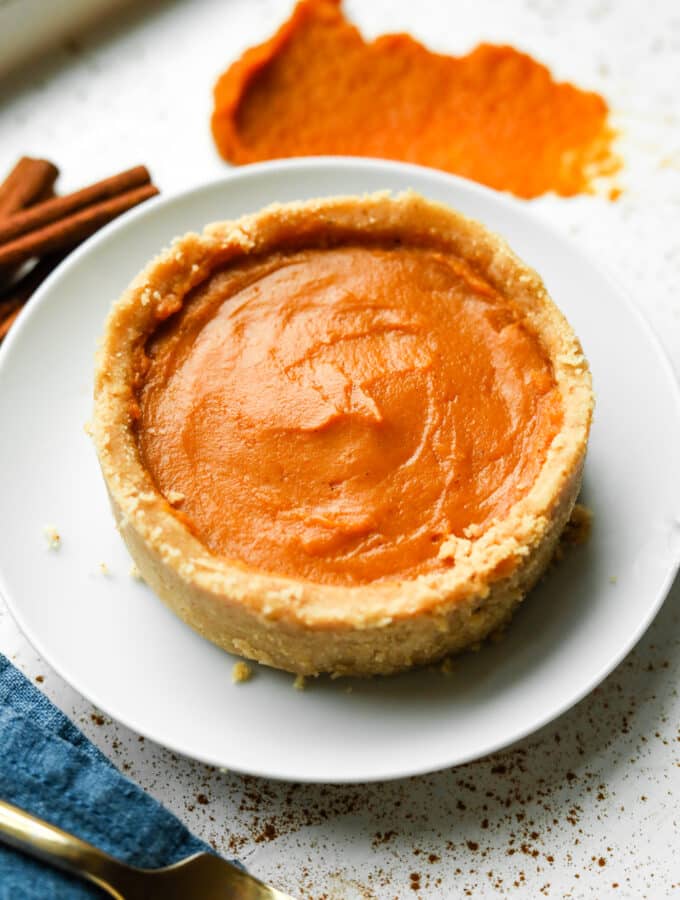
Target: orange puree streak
(330, 414)
(495, 116)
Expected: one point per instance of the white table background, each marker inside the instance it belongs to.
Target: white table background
(588, 806)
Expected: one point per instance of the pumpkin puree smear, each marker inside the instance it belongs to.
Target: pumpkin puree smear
(494, 115)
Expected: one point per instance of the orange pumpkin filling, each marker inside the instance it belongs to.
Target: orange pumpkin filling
(332, 413)
(494, 115)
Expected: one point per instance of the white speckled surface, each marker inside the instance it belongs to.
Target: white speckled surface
(587, 807)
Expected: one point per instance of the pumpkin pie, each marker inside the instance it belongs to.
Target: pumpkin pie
(341, 435)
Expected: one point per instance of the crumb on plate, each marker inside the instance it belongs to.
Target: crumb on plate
(241, 672)
(578, 528)
(576, 532)
(447, 666)
(53, 537)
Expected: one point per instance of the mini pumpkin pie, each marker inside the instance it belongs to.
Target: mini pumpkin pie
(342, 435)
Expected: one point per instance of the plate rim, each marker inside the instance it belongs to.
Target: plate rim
(378, 166)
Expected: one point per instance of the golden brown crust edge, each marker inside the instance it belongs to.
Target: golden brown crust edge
(307, 627)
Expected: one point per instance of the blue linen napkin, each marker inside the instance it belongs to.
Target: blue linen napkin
(49, 767)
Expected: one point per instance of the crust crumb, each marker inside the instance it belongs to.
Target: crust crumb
(241, 672)
(175, 497)
(300, 683)
(576, 532)
(499, 633)
(578, 528)
(53, 537)
(447, 666)
(135, 573)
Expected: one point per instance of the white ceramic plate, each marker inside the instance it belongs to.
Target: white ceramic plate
(111, 639)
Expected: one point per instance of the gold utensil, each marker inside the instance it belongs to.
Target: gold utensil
(199, 877)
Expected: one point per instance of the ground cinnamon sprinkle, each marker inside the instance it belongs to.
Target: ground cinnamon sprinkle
(494, 115)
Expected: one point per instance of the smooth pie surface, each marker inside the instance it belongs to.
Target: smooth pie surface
(333, 414)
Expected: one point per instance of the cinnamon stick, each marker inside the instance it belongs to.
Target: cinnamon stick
(43, 214)
(15, 297)
(29, 180)
(73, 228)
(22, 289)
(7, 320)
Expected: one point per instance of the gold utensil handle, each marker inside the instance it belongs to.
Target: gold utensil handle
(25, 832)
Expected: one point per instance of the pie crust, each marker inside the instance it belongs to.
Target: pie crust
(303, 626)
